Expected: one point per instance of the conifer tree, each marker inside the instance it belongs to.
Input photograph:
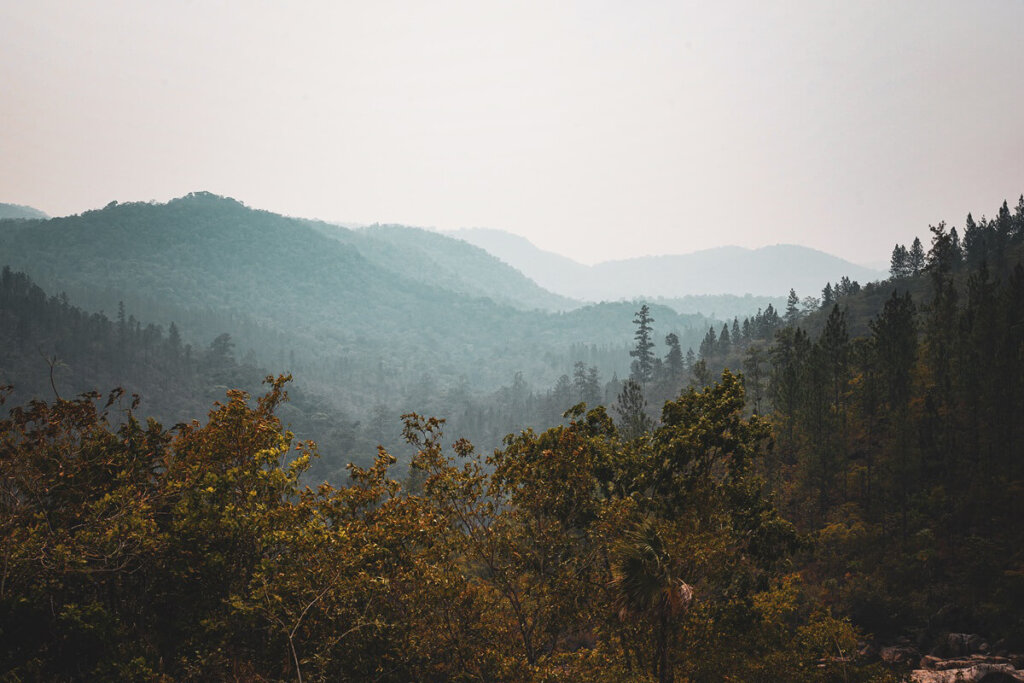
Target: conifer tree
(579, 381)
(701, 374)
(710, 344)
(916, 257)
(1018, 218)
(828, 296)
(974, 246)
(792, 312)
(632, 409)
(958, 251)
(643, 365)
(674, 360)
(899, 262)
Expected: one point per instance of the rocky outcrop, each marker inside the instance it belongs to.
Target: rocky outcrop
(957, 658)
(985, 672)
(976, 668)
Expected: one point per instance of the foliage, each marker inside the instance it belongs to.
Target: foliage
(135, 552)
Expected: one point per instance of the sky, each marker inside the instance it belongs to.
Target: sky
(599, 130)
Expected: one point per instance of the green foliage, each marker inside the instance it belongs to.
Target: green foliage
(196, 554)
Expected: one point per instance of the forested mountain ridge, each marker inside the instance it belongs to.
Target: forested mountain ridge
(441, 261)
(767, 271)
(208, 253)
(17, 211)
(50, 349)
(370, 341)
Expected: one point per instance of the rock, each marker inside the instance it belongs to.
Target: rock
(900, 654)
(978, 673)
(955, 645)
(869, 652)
(975, 643)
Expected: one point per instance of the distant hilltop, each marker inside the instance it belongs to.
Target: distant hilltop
(19, 211)
(767, 271)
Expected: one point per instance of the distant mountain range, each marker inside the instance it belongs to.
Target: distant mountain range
(768, 271)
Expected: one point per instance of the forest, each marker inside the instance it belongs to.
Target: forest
(830, 491)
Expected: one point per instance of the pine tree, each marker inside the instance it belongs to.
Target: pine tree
(916, 257)
(579, 381)
(958, 251)
(1018, 218)
(643, 367)
(632, 409)
(792, 312)
(724, 342)
(828, 297)
(834, 341)
(701, 374)
(710, 344)
(899, 266)
(174, 341)
(1004, 221)
(593, 391)
(974, 243)
(674, 360)
(754, 365)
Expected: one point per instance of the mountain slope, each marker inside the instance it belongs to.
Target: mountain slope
(306, 302)
(551, 271)
(17, 211)
(447, 263)
(768, 271)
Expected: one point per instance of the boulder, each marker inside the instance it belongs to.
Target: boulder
(961, 645)
(900, 655)
(977, 673)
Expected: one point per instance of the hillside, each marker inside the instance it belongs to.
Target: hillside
(551, 271)
(16, 211)
(294, 299)
(768, 271)
(447, 263)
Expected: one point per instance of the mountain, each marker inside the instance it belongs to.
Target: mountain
(770, 270)
(767, 271)
(551, 271)
(349, 314)
(19, 212)
(442, 261)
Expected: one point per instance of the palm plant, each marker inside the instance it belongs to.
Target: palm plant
(648, 588)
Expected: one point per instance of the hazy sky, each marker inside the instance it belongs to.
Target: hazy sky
(596, 129)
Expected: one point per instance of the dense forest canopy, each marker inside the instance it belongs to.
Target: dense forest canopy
(830, 489)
